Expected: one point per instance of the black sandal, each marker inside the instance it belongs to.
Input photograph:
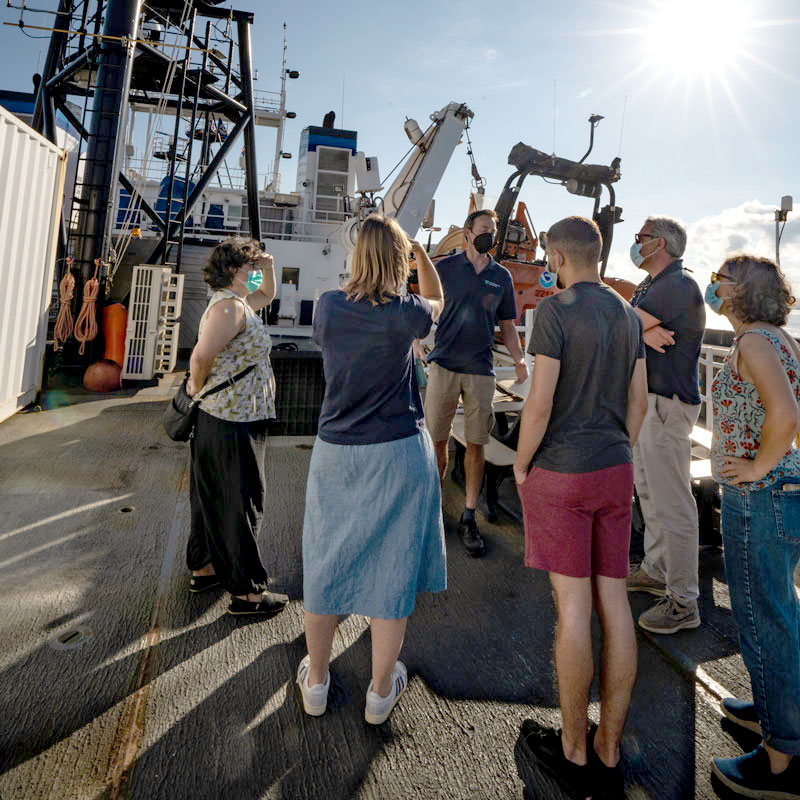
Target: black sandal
(202, 583)
(270, 605)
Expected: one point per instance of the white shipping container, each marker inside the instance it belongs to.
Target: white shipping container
(32, 173)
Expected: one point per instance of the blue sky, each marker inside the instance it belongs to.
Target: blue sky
(712, 115)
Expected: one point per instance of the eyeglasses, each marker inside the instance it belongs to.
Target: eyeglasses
(721, 277)
(639, 236)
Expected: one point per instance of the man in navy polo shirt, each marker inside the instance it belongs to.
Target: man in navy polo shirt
(671, 308)
(478, 294)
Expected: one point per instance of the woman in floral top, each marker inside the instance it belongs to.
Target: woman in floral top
(228, 447)
(755, 458)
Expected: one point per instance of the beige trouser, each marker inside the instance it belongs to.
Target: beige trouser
(661, 459)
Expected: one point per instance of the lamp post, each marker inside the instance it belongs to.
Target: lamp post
(780, 217)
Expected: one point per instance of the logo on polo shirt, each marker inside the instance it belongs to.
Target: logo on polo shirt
(489, 283)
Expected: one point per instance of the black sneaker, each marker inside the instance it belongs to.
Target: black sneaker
(271, 603)
(742, 713)
(751, 776)
(607, 782)
(544, 745)
(471, 538)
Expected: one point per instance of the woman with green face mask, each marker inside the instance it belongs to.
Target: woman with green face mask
(227, 472)
(755, 459)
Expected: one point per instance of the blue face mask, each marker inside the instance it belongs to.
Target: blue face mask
(254, 280)
(714, 302)
(636, 254)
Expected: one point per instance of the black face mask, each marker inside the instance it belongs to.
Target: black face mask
(483, 242)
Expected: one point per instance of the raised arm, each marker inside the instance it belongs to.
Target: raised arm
(637, 400)
(430, 287)
(536, 413)
(760, 365)
(263, 296)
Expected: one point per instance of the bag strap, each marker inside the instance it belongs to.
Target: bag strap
(227, 383)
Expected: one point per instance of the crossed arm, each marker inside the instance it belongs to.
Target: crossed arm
(655, 334)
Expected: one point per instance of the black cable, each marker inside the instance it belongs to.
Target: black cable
(402, 159)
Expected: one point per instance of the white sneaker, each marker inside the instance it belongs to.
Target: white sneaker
(378, 708)
(315, 698)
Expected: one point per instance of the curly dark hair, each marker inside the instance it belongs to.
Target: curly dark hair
(226, 258)
(762, 293)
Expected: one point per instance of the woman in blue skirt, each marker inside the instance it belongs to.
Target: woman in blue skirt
(373, 534)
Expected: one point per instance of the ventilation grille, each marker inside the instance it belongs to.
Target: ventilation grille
(151, 335)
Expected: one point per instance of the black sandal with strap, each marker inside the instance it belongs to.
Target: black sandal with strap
(202, 583)
(271, 604)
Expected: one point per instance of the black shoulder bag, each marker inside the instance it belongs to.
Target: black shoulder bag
(180, 416)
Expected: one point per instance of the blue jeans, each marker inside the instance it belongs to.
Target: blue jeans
(761, 533)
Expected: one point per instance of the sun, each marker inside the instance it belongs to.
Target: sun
(696, 37)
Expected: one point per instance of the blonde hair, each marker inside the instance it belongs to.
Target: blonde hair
(380, 261)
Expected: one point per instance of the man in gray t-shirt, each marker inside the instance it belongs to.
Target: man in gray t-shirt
(574, 473)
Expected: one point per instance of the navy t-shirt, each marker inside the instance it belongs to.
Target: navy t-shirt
(597, 337)
(473, 304)
(371, 392)
(674, 298)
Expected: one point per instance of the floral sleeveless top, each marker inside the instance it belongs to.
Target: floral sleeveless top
(252, 397)
(739, 416)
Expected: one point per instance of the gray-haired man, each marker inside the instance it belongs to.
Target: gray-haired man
(671, 308)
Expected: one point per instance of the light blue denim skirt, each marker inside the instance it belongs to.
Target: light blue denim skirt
(373, 534)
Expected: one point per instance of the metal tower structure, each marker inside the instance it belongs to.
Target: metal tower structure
(185, 58)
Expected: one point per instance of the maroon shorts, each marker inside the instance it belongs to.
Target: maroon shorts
(578, 524)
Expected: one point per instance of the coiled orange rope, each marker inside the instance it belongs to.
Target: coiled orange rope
(86, 324)
(66, 289)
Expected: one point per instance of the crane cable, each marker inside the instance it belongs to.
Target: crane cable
(478, 181)
(66, 288)
(86, 324)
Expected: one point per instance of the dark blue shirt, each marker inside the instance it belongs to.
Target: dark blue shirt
(473, 304)
(371, 392)
(597, 337)
(674, 298)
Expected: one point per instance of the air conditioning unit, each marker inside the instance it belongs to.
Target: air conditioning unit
(151, 338)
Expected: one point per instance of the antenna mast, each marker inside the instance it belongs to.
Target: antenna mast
(276, 172)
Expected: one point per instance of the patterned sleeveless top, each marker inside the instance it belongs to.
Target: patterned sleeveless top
(252, 397)
(739, 416)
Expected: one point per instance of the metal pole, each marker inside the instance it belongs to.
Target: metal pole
(55, 52)
(245, 72)
(276, 173)
(192, 123)
(173, 151)
(103, 153)
(777, 238)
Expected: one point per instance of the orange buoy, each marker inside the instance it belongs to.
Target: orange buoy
(115, 320)
(103, 376)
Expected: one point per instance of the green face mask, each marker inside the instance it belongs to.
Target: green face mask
(254, 280)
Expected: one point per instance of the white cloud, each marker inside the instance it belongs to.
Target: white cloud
(749, 227)
(490, 54)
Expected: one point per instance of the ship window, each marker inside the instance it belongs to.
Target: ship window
(290, 275)
(328, 203)
(331, 183)
(337, 159)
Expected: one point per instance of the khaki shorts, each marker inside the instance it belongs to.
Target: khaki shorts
(441, 401)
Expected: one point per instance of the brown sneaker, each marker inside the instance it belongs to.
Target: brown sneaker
(640, 581)
(669, 616)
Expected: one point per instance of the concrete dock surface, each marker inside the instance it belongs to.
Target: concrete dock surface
(115, 681)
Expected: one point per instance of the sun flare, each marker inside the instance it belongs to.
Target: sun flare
(693, 37)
